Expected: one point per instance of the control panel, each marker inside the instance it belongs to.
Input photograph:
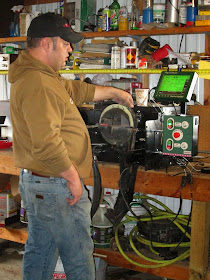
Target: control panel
(180, 135)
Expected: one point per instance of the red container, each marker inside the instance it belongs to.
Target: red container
(161, 52)
(5, 144)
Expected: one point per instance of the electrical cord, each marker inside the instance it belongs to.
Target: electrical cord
(178, 220)
(134, 232)
(173, 221)
(180, 45)
(152, 248)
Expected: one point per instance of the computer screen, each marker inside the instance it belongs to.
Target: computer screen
(175, 86)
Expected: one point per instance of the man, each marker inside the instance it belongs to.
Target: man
(52, 147)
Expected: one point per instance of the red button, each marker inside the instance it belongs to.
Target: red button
(176, 134)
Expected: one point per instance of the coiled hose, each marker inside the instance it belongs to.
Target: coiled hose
(158, 214)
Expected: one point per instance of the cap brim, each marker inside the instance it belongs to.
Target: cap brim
(71, 36)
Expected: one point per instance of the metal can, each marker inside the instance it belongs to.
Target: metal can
(183, 13)
(137, 57)
(130, 57)
(115, 57)
(106, 19)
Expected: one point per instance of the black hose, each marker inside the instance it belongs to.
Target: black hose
(97, 189)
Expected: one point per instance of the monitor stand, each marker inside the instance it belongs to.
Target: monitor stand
(183, 108)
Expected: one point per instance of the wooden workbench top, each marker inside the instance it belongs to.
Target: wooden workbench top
(148, 182)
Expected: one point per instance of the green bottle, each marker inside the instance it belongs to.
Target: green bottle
(114, 10)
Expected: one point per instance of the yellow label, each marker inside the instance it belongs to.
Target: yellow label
(202, 22)
(204, 12)
(123, 23)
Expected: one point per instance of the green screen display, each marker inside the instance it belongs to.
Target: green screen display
(173, 83)
(175, 86)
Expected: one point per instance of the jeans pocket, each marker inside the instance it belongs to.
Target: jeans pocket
(44, 205)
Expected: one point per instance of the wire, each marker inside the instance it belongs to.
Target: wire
(123, 195)
(167, 213)
(134, 233)
(180, 45)
(174, 6)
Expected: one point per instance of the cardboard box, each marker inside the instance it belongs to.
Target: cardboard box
(4, 182)
(8, 206)
(14, 184)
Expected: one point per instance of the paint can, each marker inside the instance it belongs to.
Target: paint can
(191, 13)
(122, 58)
(172, 12)
(115, 57)
(130, 57)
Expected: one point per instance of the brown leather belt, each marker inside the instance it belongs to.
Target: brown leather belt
(35, 174)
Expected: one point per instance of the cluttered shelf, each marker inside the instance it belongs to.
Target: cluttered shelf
(125, 33)
(180, 270)
(146, 181)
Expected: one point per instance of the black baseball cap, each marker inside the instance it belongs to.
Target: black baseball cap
(53, 25)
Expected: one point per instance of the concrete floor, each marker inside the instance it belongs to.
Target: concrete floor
(11, 255)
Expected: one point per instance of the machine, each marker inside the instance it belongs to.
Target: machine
(150, 136)
(143, 132)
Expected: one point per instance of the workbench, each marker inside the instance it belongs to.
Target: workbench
(147, 182)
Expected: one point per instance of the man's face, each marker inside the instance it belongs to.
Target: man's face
(59, 54)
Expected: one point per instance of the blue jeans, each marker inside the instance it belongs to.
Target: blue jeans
(54, 227)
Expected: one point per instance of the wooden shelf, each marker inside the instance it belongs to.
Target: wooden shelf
(14, 233)
(178, 271)
(12, 40)
(152, 32)
(7, 163)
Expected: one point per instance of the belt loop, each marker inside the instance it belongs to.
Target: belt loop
(52, 179)
(30, 174)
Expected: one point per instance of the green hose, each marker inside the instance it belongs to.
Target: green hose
(157, 214)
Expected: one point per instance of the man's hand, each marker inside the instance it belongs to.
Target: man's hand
(118, 95)
(73, 184)
(124, 98)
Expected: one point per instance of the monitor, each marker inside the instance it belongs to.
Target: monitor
(175, 86)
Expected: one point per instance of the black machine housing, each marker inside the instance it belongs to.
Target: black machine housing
(146, 149)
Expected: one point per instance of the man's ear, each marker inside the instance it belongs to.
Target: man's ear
(46, 44)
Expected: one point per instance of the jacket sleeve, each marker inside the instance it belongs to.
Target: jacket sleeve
(79, 91)
(43, 113)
